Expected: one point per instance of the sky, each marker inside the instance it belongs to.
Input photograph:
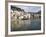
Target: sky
(30, 8)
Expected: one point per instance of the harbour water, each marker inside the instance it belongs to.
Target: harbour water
(26, 25)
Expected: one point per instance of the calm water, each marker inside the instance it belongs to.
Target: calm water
(23, 25)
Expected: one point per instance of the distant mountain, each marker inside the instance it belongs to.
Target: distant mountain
(39, 12)
(16, 8)
(19, 9)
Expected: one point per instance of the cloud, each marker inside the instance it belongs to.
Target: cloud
(29, 8)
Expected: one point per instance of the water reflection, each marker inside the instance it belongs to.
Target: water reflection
(22, 25)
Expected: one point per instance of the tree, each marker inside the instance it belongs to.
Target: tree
(13, 8)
